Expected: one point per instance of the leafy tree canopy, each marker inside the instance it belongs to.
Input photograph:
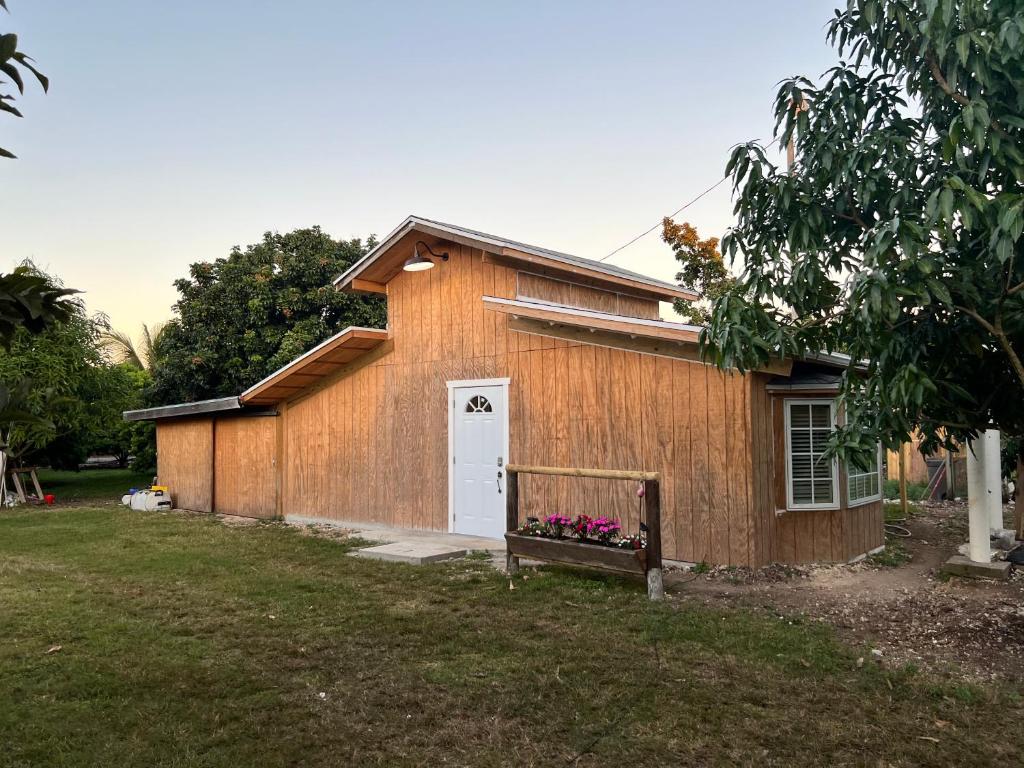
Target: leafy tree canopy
(12, 64)
(897, 235)
(701, 268)
(29, 300)
(241, 318)
(60, 400)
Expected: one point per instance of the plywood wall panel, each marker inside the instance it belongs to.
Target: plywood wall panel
(569, 294)
(244, 465)
(184, 462)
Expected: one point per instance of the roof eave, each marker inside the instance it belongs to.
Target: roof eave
(178, 410)
(662, 291)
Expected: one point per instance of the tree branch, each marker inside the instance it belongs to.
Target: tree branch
(959, 98)
(996, 329)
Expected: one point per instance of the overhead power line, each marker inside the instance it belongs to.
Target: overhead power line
(674, 213)
(671, 215)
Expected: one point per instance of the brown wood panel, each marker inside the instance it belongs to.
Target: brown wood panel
(184, 453)
(244, 454)
(635, 307)
(699, 464)
(538, 287)
(682, 511)
(719, 500)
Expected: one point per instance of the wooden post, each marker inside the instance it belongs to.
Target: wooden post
(904, 506)
(511, 516)
(652, 502)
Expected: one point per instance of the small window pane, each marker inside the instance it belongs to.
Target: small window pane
(800, 416)
(479, 404)
(821, 437)
(822, 416)
(863, 484)
(823, 491)
(802, 492)
(801, 467)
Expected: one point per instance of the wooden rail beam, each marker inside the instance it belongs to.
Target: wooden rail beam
(606, 474)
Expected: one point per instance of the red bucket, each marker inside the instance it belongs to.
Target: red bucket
(49, 498)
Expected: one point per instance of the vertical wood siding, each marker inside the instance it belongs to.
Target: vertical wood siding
(372, 446)
(184, 451)
(245, 483)
(530, 286)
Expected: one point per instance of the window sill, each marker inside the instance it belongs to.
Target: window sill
(797, 510)
(862, 502)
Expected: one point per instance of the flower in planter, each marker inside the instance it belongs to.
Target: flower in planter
(532, 527)
(604, 529)
(581, 527)
(557, 525)
(632, 542)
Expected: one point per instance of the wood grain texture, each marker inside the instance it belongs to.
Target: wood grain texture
(246, 480)
(184, 451)
(369, 443)
(533, 287)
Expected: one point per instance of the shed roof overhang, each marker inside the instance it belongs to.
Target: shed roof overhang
(316, 364)
(179, 410)
(372, 273)
(655, 337)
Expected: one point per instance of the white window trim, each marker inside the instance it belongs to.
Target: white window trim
(850, 503)
(789, 469)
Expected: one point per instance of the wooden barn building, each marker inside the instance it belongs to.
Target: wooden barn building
(502, 352)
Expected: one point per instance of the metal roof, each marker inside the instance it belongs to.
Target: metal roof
(502, 242)
(184, 409)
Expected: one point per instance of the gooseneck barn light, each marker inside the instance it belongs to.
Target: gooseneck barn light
(417, 262)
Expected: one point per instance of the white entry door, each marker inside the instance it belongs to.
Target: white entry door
(479, 422)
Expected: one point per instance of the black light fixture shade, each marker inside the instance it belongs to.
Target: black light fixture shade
(418, 262)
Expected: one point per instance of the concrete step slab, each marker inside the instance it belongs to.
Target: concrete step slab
(958, 565)
(411, 552)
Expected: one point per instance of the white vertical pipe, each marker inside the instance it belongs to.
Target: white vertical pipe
(993, 479)
(977, 510)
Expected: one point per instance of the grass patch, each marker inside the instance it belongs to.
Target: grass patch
(893, 555)
(894, 512)
(186, 642)
(91, 484)
(915, 491)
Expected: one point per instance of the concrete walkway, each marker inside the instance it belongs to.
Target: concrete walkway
(409, 545)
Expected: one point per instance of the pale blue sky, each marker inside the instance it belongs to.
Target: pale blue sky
(174, 130)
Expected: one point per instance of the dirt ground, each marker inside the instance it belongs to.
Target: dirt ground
(908, 613)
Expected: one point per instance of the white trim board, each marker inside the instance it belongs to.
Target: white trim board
(786, 403)
(465, 384)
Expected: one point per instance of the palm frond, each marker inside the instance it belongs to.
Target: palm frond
(120, 347)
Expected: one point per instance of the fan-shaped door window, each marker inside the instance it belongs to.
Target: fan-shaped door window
(479, 404)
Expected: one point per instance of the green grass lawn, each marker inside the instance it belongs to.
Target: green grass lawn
(187, 642)
(91, 484)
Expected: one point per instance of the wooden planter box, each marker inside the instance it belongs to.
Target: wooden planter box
(572, 552)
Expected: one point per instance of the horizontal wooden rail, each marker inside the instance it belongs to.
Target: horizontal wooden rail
(605, 474)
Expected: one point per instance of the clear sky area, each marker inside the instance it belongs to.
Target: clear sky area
(173, 131)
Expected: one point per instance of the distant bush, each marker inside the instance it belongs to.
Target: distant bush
(915, 491)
